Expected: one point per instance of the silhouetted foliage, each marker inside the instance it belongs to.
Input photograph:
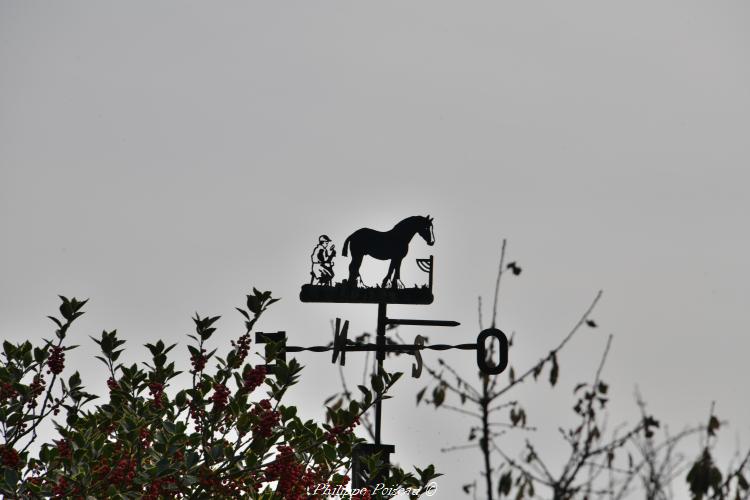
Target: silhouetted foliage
(217, 438)
(639, 460)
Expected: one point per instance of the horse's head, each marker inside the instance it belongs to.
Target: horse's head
(426, 232)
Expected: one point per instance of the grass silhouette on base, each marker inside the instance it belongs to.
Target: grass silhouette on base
(342, 293)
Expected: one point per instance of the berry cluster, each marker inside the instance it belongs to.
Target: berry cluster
(252, 378)
(112, 384)
(293, 479)
(362, 496)
(56, 361)
(225, 425)
(157, 391)
(123, 473)
(226, 487)
(36, 481)
(59, 491)
(101, 469)
(63, 448)
(242, 348)
(197, 413)
(56, 406)
(158, 488)
(268, 418)
(145, 438)
(112, 427)
(9, 457)
(198, 361)
(339, 431)
(220, 397)
(7, 391)
(36, 388)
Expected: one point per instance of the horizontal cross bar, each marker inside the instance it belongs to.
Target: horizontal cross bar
(385, 348)
(420, 322)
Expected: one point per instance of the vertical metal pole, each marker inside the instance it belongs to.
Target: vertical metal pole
(432, 264)
(380, 343)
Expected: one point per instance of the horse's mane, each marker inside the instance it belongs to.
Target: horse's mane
(417, 220)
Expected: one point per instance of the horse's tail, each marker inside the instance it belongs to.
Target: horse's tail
(345, 252)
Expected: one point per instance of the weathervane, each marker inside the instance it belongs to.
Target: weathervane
(390, 245)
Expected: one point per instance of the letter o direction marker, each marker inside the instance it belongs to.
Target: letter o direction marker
(502, 363)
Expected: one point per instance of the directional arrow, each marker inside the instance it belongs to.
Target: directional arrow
(420, 322)
(339, 341)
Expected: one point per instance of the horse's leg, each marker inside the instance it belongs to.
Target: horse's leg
(396, 272)
(354, 270)
(388, 276)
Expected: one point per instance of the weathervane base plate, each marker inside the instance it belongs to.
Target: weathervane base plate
(340, 293)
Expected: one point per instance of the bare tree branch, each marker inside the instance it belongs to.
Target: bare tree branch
(554, 351)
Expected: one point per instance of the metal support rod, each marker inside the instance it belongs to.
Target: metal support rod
(380, 342)
(432, 270)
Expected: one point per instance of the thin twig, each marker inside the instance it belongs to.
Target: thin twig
(458, 448)
(461, 410)
(589, 420)
(497, 284)
(535, 457)
(521, 468)
(511, 426)
(447, 385)
(504, 405)
(479, 313)
(461, 380)
(564, 341)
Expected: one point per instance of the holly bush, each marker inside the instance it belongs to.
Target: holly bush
(216, 437)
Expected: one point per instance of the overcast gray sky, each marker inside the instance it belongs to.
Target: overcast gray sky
(161, 158)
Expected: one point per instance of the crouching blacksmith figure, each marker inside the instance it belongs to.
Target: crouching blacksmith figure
(322, 262)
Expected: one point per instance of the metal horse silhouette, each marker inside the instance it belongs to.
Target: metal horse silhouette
(390, 245)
